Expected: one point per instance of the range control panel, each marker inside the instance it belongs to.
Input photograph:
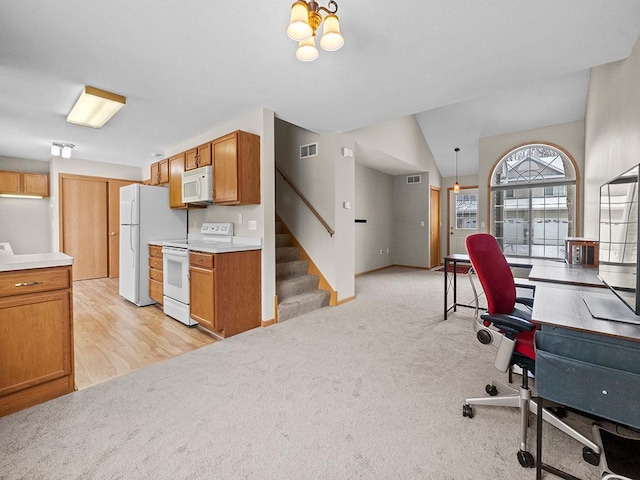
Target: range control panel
(217, 228)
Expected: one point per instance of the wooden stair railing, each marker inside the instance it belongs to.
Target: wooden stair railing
(330, 230)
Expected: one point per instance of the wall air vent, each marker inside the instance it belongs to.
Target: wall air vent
(310, 150)
(414, 179)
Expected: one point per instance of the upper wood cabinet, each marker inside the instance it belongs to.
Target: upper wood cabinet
(176, 167)
(155, 174)
(198, 157)
(160, 172)
(18, 183)
(236, 169)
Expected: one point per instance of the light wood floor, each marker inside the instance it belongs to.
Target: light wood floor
(113, 337)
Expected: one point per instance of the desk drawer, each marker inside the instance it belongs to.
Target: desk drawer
(591, 373)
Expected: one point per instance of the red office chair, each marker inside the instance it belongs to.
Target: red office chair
(511, 330)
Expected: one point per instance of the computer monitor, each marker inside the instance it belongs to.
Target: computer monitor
(619, 222)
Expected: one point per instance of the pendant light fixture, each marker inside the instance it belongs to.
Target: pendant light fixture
(456, 187)
(305, 20)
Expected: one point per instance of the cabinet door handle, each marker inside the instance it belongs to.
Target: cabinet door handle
(27, 284)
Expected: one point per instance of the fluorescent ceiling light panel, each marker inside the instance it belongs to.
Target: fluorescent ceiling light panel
(95, 107)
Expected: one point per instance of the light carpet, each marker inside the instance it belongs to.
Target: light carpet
(372, 389)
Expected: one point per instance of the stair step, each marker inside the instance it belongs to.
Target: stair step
(283, 240)
(287, 254)
(303, 303)
(295, 267)
(295, 285)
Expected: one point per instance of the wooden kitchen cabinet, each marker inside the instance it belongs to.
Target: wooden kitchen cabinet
(236, 169)
(159, 172)
(225, 291)
(176, 167)
(35, 184)
(156, 291)
(36, 337)
(198, 157)
(18, 183)
(154, 178)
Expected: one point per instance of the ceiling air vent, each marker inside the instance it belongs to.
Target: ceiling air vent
(414, 179)
(310, 150)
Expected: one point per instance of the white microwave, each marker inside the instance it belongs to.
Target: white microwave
(197, 185)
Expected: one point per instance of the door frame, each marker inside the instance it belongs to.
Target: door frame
(438, 243)
(449, 189)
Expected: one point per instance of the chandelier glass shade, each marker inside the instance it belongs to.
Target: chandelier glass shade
(306, 18)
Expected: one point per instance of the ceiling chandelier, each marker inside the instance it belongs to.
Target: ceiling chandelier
(305, 20)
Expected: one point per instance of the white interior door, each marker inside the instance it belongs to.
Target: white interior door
(463, 218)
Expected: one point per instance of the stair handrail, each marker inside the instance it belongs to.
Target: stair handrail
(330, 230)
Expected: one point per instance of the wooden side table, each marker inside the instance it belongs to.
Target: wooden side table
(581, 251)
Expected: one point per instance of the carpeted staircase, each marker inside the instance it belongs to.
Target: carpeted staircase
(297, 289)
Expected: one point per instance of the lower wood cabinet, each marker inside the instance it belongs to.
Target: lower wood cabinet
(36, 337)
(156, 289)
(225, 291)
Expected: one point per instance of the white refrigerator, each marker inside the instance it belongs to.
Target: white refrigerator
(144, 216)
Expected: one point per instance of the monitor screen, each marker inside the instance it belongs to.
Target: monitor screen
(618, 262)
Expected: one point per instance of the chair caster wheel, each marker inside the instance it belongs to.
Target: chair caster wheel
(491, 390)
(526, 459)
(467, 411)
(590, 456)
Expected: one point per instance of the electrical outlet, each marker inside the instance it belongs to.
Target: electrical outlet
(252, 225)
(240, 218)
(381, 251)
(387, 249)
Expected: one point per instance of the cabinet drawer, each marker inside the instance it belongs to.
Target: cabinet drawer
(35, 280)
(201, 259)
(155, 275)
(155, 263)
(155, 251)
(155, 290)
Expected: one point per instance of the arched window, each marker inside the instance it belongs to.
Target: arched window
(533, 201)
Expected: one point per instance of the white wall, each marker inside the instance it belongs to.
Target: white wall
(403, 139)
(75, 166)
(612, 129)
(373, 203)
(411, 221)
(24, 222)
(568, 136)
(259, 122)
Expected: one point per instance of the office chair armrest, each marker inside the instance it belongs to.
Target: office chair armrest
(510, 324)
(528, 301)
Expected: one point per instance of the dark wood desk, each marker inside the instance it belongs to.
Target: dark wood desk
(541, 270)
(562, 310)
(452, 261)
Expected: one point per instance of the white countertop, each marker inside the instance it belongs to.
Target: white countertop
(233, 244)
(9, 262)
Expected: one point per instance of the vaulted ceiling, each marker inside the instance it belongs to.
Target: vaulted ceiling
(467, 69)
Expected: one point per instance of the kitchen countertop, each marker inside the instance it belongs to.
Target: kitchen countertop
(10, 262)
(196, 243)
